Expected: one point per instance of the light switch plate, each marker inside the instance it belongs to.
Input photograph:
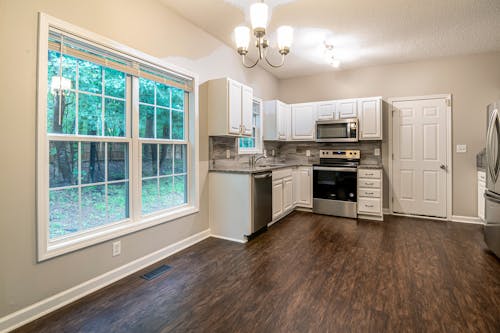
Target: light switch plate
(461, 148)
(272, 152)
(376, 152)
(308, 153)
(228, 154)
(117, 248)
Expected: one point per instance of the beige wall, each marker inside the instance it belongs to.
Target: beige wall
(474, 82)
(145, 25)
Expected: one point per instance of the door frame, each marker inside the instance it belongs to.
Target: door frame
(449, 150)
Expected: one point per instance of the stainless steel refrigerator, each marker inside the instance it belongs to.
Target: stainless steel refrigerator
(492, 195)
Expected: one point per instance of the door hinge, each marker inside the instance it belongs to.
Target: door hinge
(392, 155)
(448, 102)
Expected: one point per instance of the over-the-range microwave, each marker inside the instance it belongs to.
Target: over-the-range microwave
(343, 130)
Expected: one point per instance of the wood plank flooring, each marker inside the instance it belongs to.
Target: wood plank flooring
(308, 273)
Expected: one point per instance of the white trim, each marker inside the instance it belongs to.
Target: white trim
(420, 217)
(243, 241)
(449, 144)
(52, 303)
(259, 142)
(47, 249)
(467, 219)
(386, 211)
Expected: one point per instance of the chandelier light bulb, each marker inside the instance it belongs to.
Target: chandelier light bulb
(242, 37)
(285, 37)
(258, 16)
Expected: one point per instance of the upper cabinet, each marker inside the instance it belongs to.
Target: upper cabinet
(326, 110)
(303, 121)
(347, 108)
(370, 118)
(276, 120)
(229, 108)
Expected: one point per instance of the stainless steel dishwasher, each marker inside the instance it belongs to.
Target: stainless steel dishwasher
(262, 200)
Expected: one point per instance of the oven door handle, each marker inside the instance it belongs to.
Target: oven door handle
(321, 168)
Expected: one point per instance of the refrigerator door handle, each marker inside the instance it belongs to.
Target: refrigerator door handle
(493, 166)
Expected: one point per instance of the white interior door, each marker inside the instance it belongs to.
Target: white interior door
(419, 165)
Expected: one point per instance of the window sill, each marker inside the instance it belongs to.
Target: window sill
(84, 240)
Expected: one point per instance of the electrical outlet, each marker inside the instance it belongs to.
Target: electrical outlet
(273, 153)
(265, 153)
(228, 154)
(117, 248)
(308, 153)
(376, 152)
(461, 148)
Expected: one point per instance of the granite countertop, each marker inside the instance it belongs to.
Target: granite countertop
(249, 170)
(370, 166)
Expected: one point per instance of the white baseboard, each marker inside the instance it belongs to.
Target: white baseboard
(466, 219)
(386, 211)
(41, 308)
(229, 238)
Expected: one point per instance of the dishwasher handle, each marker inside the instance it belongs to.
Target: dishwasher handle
(261, 176)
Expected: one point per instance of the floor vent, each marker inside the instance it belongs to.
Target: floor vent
(155, 272)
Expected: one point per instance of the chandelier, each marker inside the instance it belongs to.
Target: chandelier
(258, 18)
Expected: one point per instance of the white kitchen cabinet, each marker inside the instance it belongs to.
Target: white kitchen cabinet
(370, 194)
(481, 188)
(370, 118)
(326, 110)
(304, 187)
(287, 194)
(347, 108)
(276, 120)
(229, 108)
(277, 199)
(303, 121)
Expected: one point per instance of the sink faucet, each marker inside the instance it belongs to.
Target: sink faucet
(254, 159)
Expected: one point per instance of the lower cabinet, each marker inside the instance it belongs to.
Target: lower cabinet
(481, 188)
(292, 187)
(370, 194)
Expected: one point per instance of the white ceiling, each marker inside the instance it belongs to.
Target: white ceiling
(364, 33)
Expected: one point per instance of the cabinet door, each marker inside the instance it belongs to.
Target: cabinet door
(325, 110)
(283, 121)
(287, 194)
(295, 175)
(370, 118)
(234, 107)
(303, 121)
(347, 108)
(305, 186)
(277, 198)
(246, 110)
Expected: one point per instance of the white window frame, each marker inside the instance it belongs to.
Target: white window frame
(51, 248)
(258, 140)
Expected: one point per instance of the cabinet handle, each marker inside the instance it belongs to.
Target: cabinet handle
(369, 183)
(369, 193)
(369, 174)
(369, 206)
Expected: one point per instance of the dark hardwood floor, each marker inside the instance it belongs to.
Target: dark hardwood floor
(308, 273)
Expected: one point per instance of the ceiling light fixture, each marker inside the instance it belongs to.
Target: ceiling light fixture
(330, 56)
(258, 17)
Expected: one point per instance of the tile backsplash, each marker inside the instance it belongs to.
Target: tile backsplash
(294, 152)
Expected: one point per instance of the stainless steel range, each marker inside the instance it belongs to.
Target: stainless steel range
(335, 183)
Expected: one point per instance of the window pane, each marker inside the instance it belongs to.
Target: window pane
(54, 61)
(146, 91)
(117, 161)
(146, 121)
(150, 202)
(166, 159)
(162, 123)
(177, 98)
(118, 203)
(66, 123)
(180, 193)
(92, 160)
(114, 117)
(69, 68)
(63, 159)
(93, 213)
(114, 83)
(167, 192)
(162, 95)
(64, 212)
(89, 115)
(177, 125)
(89, 77)
(180, 159)
(149, 160)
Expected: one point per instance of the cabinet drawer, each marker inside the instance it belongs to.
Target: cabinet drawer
(282, 173)
(370, 183)
(369, 205)
(370, 173)
(369, 193)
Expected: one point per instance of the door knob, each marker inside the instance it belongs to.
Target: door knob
(442, 166)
